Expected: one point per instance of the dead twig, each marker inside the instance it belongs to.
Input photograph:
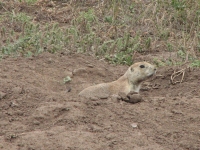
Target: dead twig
(176, 74)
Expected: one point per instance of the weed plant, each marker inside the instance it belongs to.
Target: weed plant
(113, 30)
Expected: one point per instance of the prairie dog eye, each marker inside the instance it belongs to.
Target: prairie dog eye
(142, 66)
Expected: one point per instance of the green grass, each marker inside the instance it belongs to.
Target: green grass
(29, 2)
(195, 63)
(113, 30)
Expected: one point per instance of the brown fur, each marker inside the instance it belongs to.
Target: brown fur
(130, 81)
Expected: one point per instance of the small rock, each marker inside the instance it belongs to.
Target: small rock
(90, 65)
(134, 125)
(2, 95)
(36, 122)
(13, 104)
(80, 70)
(110, 136)
(134, 98)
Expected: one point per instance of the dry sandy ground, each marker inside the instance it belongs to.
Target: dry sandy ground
(40, 112)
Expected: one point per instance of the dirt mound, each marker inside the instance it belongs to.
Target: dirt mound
(41, 110)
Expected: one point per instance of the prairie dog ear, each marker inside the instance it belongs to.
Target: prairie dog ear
(132, 69)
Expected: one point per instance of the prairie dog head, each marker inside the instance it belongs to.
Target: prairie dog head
(140, 71)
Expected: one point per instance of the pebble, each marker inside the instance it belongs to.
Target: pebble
(79, 70)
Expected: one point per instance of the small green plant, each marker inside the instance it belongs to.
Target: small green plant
(178, 4)
(88, 15)
(33, 41)
(181, 54)
(29, 2)
(120, 58)
(158, 62)
(170, 47)
(164, 34)
(21, 17)
(1, 5)
(132, 7)
(66, 79)
(108, 19)
(148, 43)
(195, 63)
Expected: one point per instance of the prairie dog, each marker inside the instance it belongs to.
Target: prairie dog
(130, 81)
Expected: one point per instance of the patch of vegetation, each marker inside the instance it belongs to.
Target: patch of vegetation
(110, 29)
(29, 2)
(34, 40)
(66, 79)
(195, 63)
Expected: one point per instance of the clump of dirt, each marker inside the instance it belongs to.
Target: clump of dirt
(39, 110)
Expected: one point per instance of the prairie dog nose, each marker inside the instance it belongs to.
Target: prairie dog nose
(155, 69)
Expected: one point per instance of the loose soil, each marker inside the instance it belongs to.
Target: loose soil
(41, 112)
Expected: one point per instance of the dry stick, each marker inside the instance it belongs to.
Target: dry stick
(176, 74)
